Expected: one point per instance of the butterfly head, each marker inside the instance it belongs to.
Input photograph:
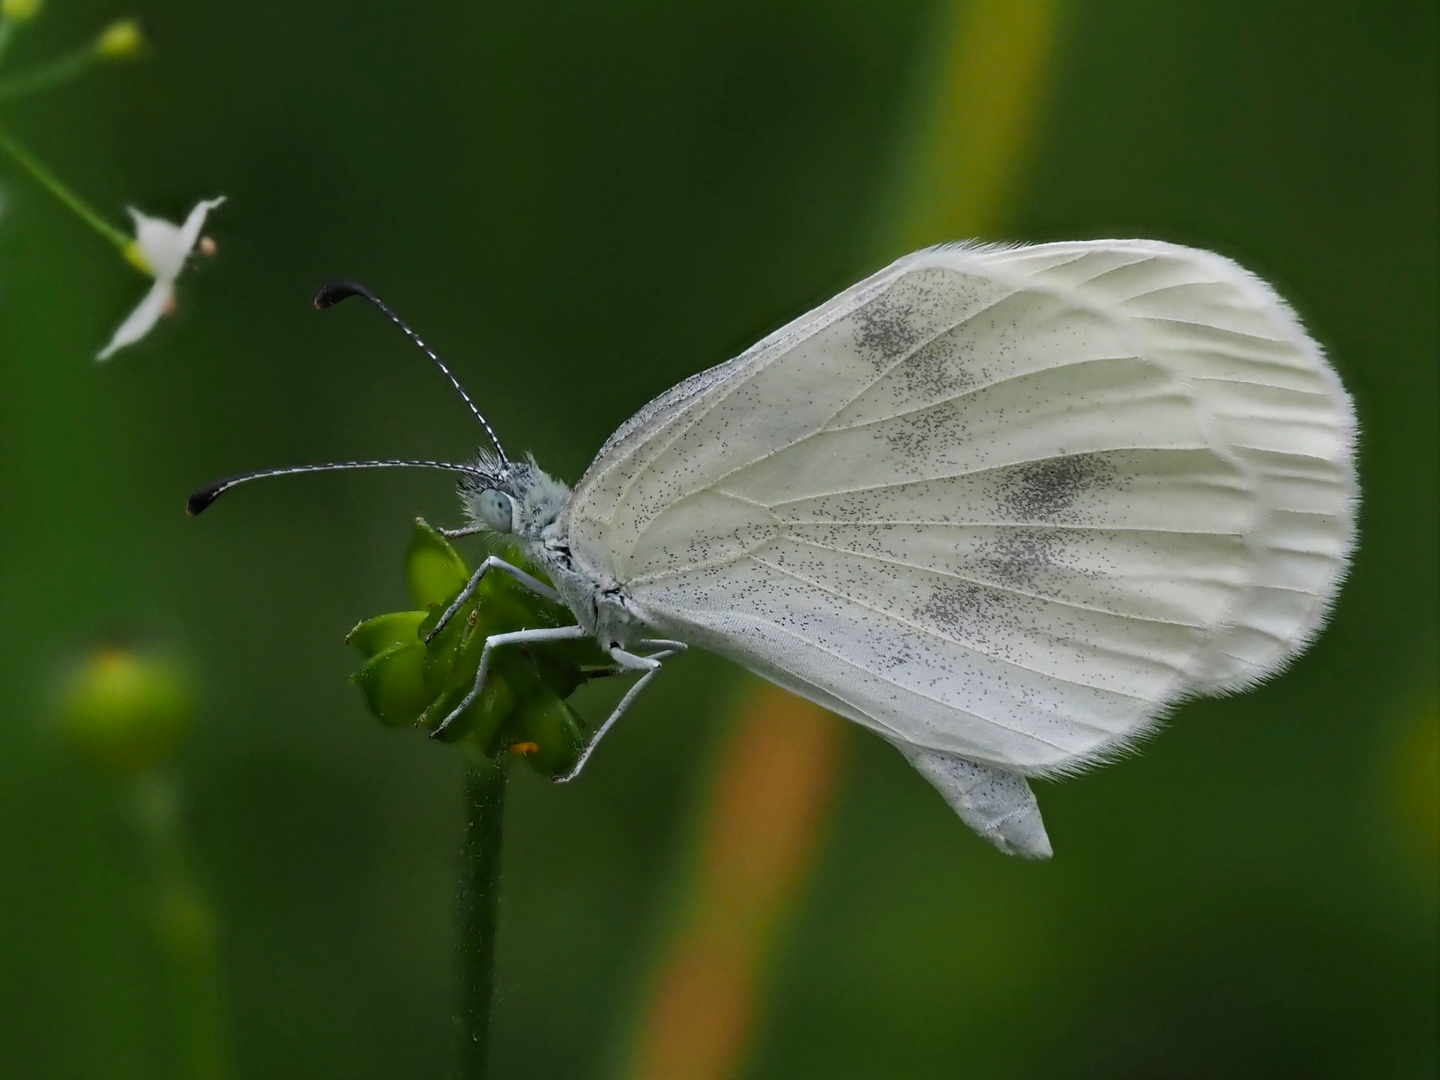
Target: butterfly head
(512, 497)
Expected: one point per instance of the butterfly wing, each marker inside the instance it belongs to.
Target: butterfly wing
(1002, 504)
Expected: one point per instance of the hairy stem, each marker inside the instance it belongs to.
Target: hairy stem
(479, 898)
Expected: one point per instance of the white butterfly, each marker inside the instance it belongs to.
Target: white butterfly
(1004, 506)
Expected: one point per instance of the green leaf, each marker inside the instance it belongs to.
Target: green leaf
(433, 569)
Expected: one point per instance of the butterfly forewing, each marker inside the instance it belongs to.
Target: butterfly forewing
(1004, 503)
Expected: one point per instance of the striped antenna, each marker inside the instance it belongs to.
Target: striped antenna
(201, 500)
(336, 291)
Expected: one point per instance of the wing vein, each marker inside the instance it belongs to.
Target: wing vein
(917, 691)
(1194, 325)
(1020, 525)
(1164, 391)
(823, 428)
(993, 585)
(930, 632)
(729, 388)
(963, 473)
(910, 352)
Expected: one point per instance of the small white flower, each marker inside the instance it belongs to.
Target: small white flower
(160, 248)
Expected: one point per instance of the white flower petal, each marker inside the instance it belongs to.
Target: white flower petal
(143, 318)
(166, 246)
(195, 221)
(159, 244)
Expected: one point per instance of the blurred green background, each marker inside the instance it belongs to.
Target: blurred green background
(580, 204)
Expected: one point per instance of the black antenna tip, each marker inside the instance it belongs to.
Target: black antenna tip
(335, 291)
(201, 500)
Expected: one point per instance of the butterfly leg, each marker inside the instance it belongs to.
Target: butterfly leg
(516, 637)
(468, 530)
(649, 665)
(670, 647)
(531, 582)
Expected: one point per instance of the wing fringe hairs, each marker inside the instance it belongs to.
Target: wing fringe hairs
(1004, 505)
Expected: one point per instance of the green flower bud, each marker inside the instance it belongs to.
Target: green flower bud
(547, 734)
(566, 665)
(120, 40)
(433, 569)
(393, 682)
(123, 711)
(520, 709)
(376, 635)
(482, 719)
(20, 11)
(444, 666)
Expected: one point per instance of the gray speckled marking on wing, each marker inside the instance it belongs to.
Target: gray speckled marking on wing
(1007, 504)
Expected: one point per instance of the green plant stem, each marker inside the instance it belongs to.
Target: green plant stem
(479, 899)
(47, 76)
(52, 184)
(185, 925)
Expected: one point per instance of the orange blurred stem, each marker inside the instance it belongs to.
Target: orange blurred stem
(772, 789)
(479, 903)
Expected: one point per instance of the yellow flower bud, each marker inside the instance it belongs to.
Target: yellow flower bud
(20, 11)
(120, 40)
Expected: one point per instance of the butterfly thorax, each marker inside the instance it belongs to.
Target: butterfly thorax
(539, 500)
(603, 608)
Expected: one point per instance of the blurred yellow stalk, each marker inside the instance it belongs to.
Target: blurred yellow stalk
(762, 822)
(1418, 803)
(976, 124)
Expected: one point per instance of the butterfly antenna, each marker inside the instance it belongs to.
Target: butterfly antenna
(336, 291)
(201, 500)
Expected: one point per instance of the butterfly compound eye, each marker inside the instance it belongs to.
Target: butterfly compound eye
(497, 510)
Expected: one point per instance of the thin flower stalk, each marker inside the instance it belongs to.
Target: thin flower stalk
(49, 76)
(51, 183)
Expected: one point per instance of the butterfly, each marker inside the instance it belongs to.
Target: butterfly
(1005, 506)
